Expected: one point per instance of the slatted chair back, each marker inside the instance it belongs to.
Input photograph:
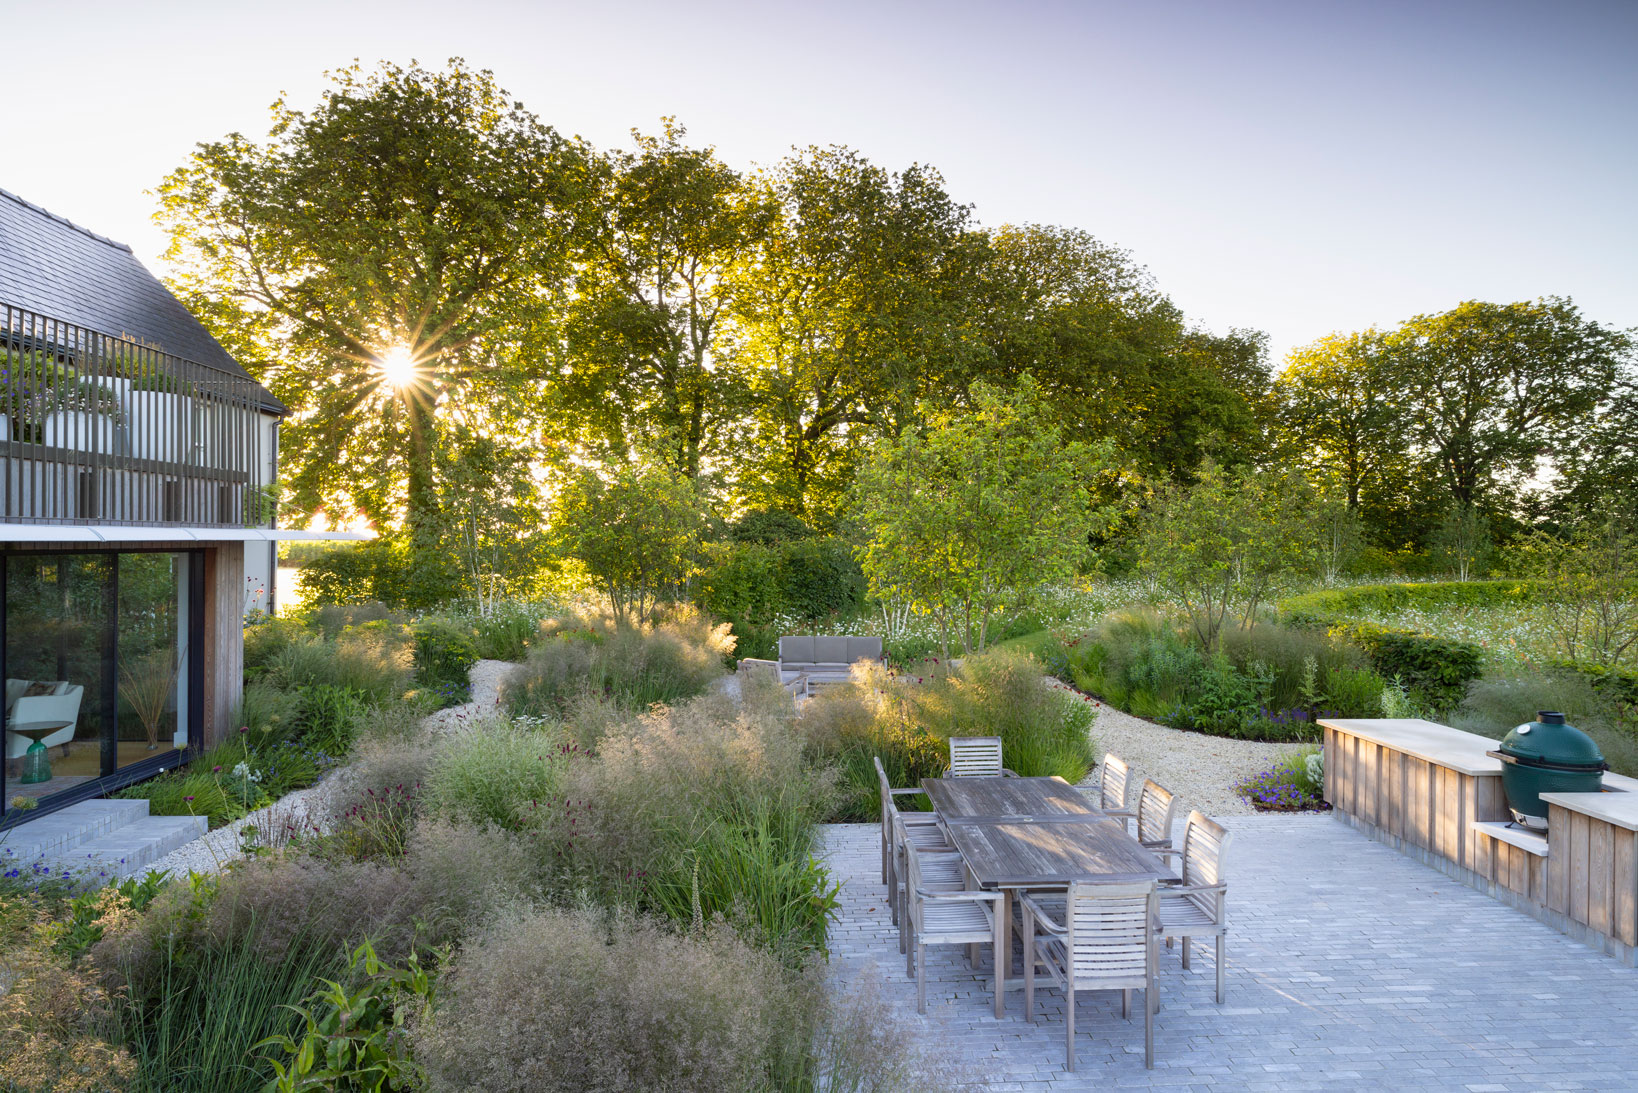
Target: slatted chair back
(975, 756)
(1112, 784)
(1110, 934)
(1205, 843)
(1157, 808)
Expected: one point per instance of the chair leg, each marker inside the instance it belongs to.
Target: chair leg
(1220, 940)
(1185, 954)
(1001, 950)
(1125, 1004)
(1069, 1028)
(1029, 982)
(1149, 1025)
(921, 978)
(907, 942)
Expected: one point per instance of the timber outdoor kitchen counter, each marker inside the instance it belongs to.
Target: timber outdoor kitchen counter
(1431, 791)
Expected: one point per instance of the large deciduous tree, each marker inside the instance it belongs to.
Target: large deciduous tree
(1490, 388)
(652, 287)
(637, 532)
(414, 218)
(847, 315)
(1340, 417)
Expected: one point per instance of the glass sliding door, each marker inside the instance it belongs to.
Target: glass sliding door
(152, 642)
(97, 657)
(59, 656)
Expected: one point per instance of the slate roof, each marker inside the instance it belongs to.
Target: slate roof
(61, 270)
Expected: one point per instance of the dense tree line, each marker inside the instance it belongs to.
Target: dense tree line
(756, 335)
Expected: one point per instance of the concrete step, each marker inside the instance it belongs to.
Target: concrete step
(128, 850)
(60, 832)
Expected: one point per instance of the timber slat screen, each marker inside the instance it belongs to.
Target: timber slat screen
(102, 429)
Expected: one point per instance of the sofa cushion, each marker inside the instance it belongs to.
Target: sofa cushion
(830, 650)
(796, 650)
(863, 649)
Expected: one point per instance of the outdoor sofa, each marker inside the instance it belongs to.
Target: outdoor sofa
(810, 659)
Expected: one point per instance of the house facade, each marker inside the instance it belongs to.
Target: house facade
(136, 524)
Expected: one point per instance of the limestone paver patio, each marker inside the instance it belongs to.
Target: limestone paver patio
(1350, 967)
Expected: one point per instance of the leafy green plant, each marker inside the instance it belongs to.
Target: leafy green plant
(330, 715)
(89, 913)
(354, 1039)
(444, 655)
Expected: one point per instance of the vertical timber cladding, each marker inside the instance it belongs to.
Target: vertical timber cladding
(224, 652)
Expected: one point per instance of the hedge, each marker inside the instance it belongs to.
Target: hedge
(1436, 670)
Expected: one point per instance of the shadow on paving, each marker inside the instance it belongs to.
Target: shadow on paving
(1350, 966)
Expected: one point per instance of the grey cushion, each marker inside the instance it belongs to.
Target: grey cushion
(830, 666)
(863, 649)
(830, 650)
(796, 650)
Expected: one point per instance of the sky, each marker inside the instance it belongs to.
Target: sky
(1297, 168)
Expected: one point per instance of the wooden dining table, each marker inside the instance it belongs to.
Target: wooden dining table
(1034, 833)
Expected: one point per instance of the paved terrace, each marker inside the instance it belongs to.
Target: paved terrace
(1350, 967)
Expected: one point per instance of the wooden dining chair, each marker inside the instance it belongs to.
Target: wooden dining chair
(1196, 905)
(949, 913)
(887, 793)
(1157, 809)
(976, 757)
(899, 828)
(1114, 782)
(942, 867)
(1102, 938)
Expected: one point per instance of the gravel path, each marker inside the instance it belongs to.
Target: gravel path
(1202, 770)
(300, 809)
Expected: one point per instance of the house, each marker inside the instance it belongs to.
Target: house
(136, 529)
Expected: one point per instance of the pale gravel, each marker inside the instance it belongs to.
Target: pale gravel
(305, 808)
(1201, 770)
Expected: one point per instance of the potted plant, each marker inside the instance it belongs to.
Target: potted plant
(81, 415)
(161, 405)
(146, 687)
(28, 382)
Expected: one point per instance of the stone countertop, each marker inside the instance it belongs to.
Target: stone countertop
(1617, 805)
(1439, 744)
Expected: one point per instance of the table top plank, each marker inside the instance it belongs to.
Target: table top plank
(955, 798)
(1037, 832)
(1053, 855)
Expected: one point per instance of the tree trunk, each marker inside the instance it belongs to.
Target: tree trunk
(422, 496)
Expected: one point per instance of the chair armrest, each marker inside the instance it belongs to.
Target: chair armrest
(906, 791)
(1167, 851)
(1194, 889)
(1050, 924)
(964, 894)
(1120, 813)
(1005, 773)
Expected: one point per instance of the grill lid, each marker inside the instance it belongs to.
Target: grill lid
(1549, 742)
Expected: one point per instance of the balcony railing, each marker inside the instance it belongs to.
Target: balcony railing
(98, 429)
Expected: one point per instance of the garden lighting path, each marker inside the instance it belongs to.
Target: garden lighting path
(1352, 967)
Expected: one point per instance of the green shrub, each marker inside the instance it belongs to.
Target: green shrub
(330, 716)
(706, 809)
(444, 655)
(1137, 661)
(496, 774)
(1351, 692)
(1287, 653)
(266, 640)
(374, 662)
(272, 713)
(754, 582)
(507, 632)
(636, 667)
(1043, 731)
(1436, 671)
(385, 570)
(1225, 701)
